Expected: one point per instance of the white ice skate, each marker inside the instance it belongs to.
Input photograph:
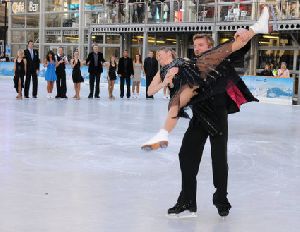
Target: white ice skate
(160, 140)
(262, 25)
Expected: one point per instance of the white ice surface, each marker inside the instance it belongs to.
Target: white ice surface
(76, 166)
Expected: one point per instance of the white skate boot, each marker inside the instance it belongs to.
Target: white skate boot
(262, 25)
(160, 140)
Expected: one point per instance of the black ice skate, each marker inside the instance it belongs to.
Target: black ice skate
(183, 210)
(222, 206)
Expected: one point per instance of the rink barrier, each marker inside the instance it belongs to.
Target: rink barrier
(272, 89)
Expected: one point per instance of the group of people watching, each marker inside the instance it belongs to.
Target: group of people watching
(27, 65)
(282, 72)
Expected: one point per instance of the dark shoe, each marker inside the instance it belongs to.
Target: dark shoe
(65, 96)
(183, 210)
(34, 96)
(97, 96)
(57, 96)
(90, 96)
(26, 97)
(222, 206)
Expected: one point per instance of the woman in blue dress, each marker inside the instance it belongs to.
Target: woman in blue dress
(50, 75)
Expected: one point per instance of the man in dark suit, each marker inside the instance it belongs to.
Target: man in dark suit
(95, 62)
(125, 70)
(32, 67)
(61, 83)
(150, 68)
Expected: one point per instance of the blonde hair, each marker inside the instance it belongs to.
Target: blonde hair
(168, 49)
(21, 52)
(208, 38)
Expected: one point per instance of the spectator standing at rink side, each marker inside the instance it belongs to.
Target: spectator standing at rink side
(61, 82)
(150, 69)
(76, 74)
(32, 67)
(20, 72)
(267, 71)
(125, 70)
(138, 68)
(95, 62)
(112, 76)
(283, 71)
(50, 75)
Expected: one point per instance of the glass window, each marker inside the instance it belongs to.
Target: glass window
(109, 51)
(275, 57)
(33, 35)
(85, 52)
(62, 5)
(15, 48)
(33, 6)
(112, 39)
(32, 21)
(18, 36)
(205, 12)
(235, 12)
(98, 39)
(53, 38)
(53, 20)
(18, 21)
(18, 7)
(70, 38)
(93, 4)
(86, 36)
(71, 20)
(54, 5)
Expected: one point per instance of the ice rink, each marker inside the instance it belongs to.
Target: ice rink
(77, 166)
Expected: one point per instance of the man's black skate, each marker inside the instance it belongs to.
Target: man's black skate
(183, 210)
(222, 206)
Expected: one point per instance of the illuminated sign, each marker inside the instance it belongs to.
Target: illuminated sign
(18, 7)
(33, 7)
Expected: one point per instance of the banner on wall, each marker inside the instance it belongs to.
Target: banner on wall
(269, 89)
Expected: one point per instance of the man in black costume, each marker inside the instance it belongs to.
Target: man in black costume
(200, 129)
(150, 68)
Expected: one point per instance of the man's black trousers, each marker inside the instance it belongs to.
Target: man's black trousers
(190, 156)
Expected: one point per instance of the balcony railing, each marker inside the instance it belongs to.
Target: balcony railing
(191, 11)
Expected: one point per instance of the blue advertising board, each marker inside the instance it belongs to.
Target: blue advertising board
(261, 87)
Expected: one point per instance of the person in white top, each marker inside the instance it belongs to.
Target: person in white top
(283, 71)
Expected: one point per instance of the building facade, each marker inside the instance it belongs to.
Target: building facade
(139, 25)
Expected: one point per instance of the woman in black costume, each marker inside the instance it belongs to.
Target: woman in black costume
(20, 72)
(76, 74)
(191, 82)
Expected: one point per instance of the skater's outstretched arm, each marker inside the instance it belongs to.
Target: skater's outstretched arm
(157, 84)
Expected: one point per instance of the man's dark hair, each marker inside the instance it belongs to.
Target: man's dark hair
(29, 41)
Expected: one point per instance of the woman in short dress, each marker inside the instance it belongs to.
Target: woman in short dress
(138, 68)
(76, 74)
(112, 76)
(20, 72)
(50, 75)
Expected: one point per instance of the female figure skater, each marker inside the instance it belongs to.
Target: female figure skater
(50, 75)
(76, 74)
(185, 82)
(20, 72)
(136, 81)
(112, 76)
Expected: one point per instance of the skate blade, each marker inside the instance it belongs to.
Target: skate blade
(182, 215)
(155, 146)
